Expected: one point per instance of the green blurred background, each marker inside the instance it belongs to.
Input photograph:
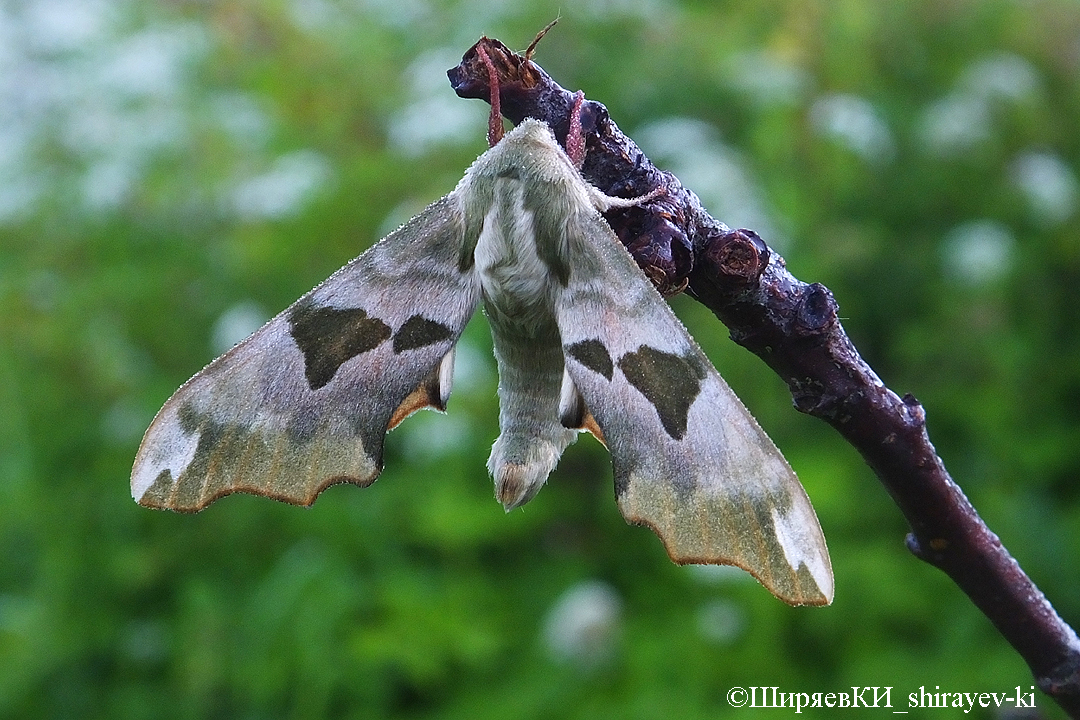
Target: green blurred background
(171, 174)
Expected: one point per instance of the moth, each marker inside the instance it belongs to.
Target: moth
(582, 341)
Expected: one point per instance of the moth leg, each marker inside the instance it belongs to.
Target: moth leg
(495, 123)
(575, 137)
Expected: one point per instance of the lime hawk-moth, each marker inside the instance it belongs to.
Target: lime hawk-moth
(582, 341)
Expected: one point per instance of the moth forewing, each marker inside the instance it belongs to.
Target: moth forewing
(305, 402)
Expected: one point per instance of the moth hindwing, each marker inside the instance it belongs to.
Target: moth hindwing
(581, 339)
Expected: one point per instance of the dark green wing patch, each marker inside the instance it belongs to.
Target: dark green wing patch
(329, 337)
(593, 355)
(670, 382)
(418, 332)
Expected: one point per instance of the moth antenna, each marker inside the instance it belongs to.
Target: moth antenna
(495, 123)
(536, 40)
(575, 138)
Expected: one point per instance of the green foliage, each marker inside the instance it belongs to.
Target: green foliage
(163, 164)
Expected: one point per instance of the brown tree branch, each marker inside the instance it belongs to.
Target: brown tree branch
(793, 326)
